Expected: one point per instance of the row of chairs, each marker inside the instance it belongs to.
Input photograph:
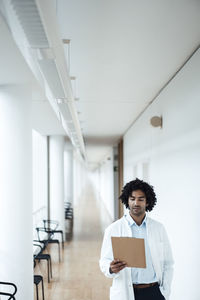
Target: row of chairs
(45, 236)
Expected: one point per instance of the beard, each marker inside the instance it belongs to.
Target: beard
(137, 211)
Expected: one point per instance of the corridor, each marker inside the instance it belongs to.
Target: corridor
(106, 91)
(78, 276)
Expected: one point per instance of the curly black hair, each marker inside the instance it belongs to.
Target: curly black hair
(138, 184)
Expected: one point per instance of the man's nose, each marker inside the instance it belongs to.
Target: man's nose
(136, 202)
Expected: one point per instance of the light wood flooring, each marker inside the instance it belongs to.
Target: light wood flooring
(77, 276)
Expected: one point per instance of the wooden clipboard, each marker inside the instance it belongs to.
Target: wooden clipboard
(131, 250)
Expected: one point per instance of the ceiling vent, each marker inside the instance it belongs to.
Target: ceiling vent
(34, 28)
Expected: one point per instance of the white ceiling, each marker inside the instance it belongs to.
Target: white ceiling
(14, 70)
(122, 53)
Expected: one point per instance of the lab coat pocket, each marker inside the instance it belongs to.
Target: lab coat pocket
(115, 293)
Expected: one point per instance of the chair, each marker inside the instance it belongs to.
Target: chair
(44, 256)
(69, 211)
(37, 280)
(68, 220)
(51, 226)
(9, 294)
(48, 239)
(68, 208)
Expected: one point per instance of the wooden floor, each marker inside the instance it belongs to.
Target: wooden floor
(78, 276)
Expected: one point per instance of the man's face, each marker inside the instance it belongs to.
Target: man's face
(137, 203)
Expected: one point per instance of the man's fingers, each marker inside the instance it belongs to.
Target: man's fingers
(117, 265)
(116, 270)
(117, 261)
(121, 268)
(120, 264)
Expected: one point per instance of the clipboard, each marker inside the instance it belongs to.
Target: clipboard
(131, 250)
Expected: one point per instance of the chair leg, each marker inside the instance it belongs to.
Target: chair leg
(62, 236)
(62, 240)
(58, 243)
(50, 265)
(42, 290)
(48, 271)
(37, 292)
(59, 251)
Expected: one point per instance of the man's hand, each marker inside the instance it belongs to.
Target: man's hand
(117, 265)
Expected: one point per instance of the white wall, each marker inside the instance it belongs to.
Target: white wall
(40, 180)
(56, 179)
(116, 182)
(102, 179)
(106, 183)
(170, 160)
(68, 173)
(80, 177)
(16, 254)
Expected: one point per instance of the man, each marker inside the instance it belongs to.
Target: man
(154, 281)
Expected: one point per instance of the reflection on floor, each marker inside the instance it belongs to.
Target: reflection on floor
(78, 276)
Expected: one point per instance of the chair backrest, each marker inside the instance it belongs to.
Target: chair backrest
(50, 224)
(8, 293)
(41, 233)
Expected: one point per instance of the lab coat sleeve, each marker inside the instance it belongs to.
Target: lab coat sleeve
(167, 266)
(107, 255)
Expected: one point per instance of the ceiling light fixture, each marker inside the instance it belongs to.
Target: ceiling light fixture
(61, 100)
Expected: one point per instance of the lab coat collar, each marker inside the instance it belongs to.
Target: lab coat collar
(130, 220)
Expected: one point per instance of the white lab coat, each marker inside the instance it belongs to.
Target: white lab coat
(122, 288)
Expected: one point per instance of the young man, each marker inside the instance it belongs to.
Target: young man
(153, 282)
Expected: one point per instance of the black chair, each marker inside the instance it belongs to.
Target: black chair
(50, 226)
(48, 239)
(68, 208)
(43, 256)
(69, 220)
(8, 293)
(37, 280)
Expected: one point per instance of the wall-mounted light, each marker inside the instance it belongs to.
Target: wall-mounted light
(156, 121)
(66, 41)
